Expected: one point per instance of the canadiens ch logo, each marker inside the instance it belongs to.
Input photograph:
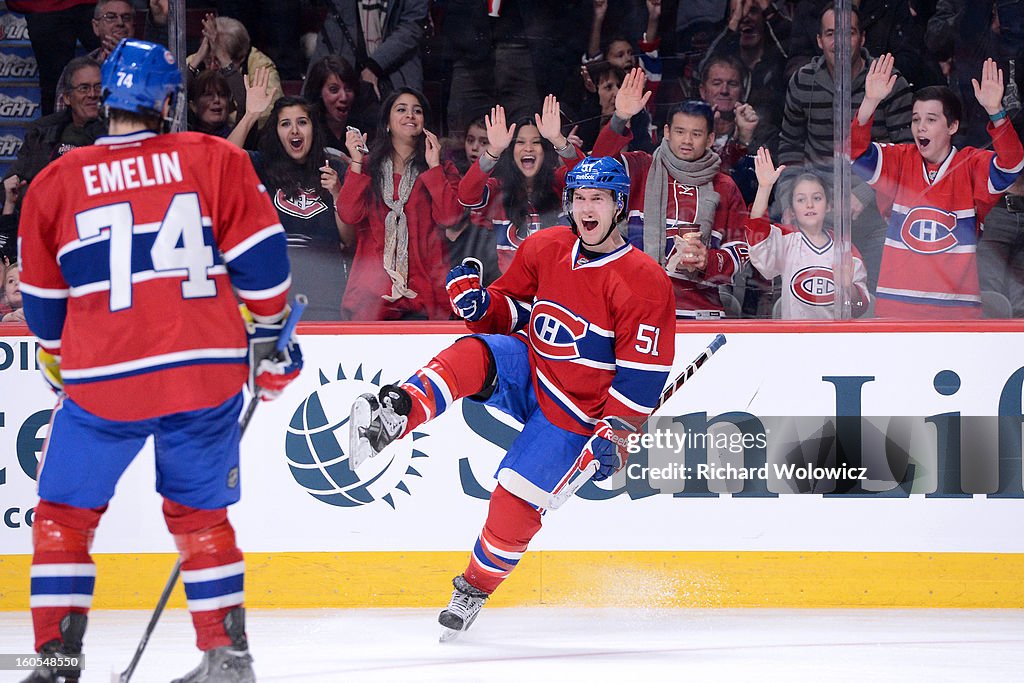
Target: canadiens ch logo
(555, 331)
(317, 439)
(305, 205)
(927, 230)
(512, 235)
(814, 286)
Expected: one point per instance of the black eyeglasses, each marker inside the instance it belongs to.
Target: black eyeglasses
(111, 17)
(86, 88)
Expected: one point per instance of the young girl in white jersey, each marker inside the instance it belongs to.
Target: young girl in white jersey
(803, 253)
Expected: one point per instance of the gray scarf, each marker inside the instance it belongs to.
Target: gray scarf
(396, 228)
(697, 174)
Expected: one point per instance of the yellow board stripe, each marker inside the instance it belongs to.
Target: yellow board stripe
(579, 579)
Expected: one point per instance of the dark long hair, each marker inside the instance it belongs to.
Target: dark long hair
(279, 169)
(515, 197)
(318, 74)
(381, 147)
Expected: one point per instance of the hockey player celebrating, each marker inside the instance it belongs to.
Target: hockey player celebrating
(132, 251)
(802, 256)
(939, 194)
(574, 338)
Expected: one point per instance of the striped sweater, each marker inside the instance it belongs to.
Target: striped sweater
(806, 136)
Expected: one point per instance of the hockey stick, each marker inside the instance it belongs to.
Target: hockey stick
(243, 424)
(582, 476)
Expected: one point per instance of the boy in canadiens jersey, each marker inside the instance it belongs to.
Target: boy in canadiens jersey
(133, 250)
(575, 340)
(938, 194)
(802, 256)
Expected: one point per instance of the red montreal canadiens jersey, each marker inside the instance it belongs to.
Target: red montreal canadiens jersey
(808, 285)
(929, 266)
(131, 249)
(601, 332)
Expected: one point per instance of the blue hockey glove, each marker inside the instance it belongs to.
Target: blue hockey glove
(270, 371)
(468, 298)
(49, 366)
(608, 447)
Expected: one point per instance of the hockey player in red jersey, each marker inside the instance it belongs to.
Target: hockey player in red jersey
(575, 341)
(132, 251)
(939, 194)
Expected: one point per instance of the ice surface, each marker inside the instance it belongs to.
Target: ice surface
(564, 644)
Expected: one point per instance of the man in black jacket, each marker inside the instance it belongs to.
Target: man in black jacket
(51, 137)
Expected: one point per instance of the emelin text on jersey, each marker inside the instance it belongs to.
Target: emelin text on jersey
(132, 173)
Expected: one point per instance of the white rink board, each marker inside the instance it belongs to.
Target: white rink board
(763, 374)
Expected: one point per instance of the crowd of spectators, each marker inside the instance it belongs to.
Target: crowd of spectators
(398, 137)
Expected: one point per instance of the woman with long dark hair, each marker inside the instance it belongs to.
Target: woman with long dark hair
(397, 199)
(303, 186)
(333, 86)
(517, 182)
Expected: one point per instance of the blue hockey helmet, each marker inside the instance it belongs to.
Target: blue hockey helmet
(138, 76)
(604, 173)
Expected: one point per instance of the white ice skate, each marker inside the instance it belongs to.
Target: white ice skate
(228, 664)
(462, 609)
(375, 422)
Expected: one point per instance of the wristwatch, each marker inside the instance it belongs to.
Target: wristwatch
(229, 69)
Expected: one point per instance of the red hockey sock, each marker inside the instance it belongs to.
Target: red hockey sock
(511, 523)
(212, 568)
(458, 371)
(63, 573)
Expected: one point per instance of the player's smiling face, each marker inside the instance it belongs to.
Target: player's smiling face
(688, 136)
(809, 205)
(594, 211)
(295, 130)
(527, 151)
(406, 118)
(932, 133)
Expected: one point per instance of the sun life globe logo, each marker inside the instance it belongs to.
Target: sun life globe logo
(317, 441)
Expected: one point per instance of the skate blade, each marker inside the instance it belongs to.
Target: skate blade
(448, 635)
(359, 448)
(357, 454)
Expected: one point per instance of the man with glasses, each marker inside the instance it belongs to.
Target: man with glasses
(112, 21)
(77, 125)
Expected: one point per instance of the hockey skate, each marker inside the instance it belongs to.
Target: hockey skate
(228, 664)
(72, 628)
(462, 609)
(376, 421)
